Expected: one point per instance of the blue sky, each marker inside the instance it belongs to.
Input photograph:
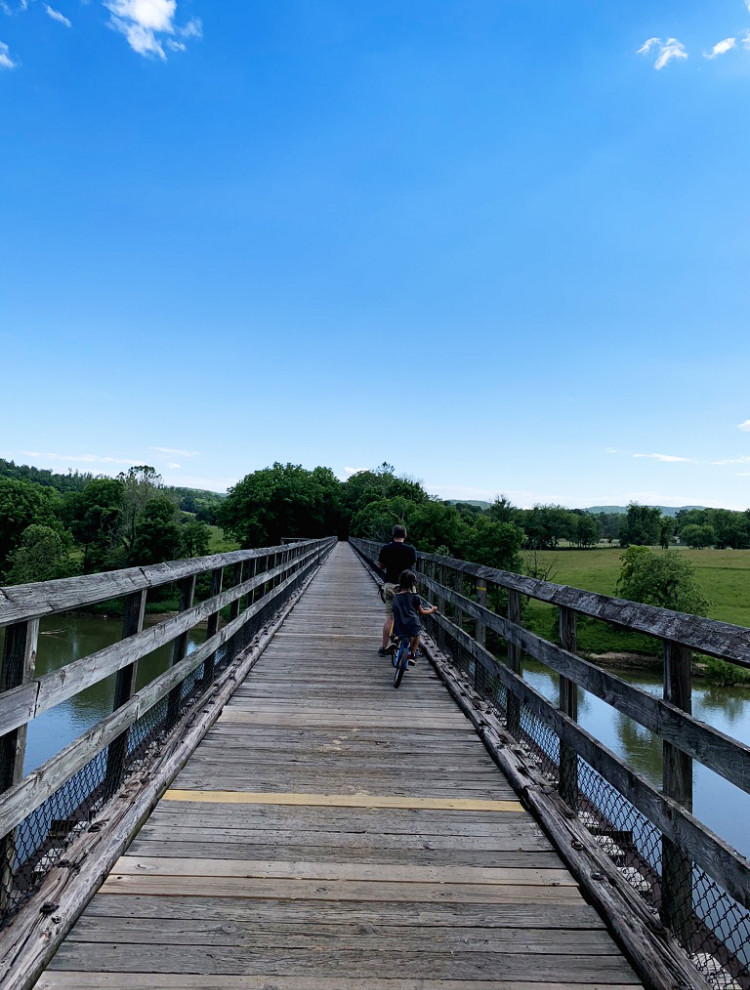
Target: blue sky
(501, 244)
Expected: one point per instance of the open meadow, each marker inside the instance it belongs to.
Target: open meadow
(723, 576)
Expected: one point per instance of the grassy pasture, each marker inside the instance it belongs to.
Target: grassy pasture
(723, 576)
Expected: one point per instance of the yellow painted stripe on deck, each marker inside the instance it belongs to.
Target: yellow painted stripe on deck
(340, 800)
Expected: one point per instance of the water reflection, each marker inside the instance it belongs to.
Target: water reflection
(721, 805)
(63, 639)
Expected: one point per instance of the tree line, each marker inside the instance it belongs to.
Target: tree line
(52, 525)
(62, 525)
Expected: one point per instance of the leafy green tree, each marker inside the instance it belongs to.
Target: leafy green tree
(502, 510)
(23, 504)
(43, 554)
(660, 577)
(495, 544)
(376, 520)
(157, 535)
(283, 500)
(641, 527)
(434, 525)
(195, 539)
(96, 516)
(364, 487)
(587, 529)
(697, 536)
(140, 484)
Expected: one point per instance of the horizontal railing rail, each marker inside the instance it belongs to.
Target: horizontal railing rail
(36, 808)
(680, 864)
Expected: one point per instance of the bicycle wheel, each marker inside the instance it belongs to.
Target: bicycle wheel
(400, 661)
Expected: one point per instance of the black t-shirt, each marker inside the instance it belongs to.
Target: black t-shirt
(396, 557)
(406, 613)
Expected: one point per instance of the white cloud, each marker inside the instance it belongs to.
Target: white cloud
(746, 425)
(174, 450)
(667, 457)
(149, 25)
(193, 29)
(733, 460)
(174, 465)
(6, 62)
(80, 458)
(57, 16)
(721, 48)
(648, 45)
(671, 48)
(611, 450)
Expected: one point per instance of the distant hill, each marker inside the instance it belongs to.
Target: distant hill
(468, 501)
(666, 510)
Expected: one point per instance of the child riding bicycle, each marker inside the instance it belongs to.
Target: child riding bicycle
(407, 608)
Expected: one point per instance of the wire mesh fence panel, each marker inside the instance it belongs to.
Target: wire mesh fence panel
(712, 925)
(37, 842)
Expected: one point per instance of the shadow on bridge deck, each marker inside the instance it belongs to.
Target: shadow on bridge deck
(331, 833)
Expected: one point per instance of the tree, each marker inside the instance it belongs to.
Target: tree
(641, 527)
(495, 544)
(697, 536)
(195, 539)
(23, 504)
(96, 516)
(364, 487)
(660, 577)
(376, 520)
(587, 529)
(41, 555)
(157, 535)
(140, 484)
(283, 500)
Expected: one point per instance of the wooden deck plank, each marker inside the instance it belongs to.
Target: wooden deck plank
(331, 833)
(61, 980)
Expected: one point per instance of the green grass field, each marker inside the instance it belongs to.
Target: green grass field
(723, 576)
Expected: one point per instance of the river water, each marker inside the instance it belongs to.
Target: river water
(723, 807)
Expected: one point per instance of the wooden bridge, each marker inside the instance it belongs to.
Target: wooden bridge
(300, 825)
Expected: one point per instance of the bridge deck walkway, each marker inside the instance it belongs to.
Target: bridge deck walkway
(331, 833)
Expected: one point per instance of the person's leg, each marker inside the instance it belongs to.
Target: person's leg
(388, 623)
(413, 647)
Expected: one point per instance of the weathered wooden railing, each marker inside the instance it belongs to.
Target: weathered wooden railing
(42, 811)
(687, 875)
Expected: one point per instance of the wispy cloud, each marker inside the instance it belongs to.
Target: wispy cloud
(57, 16)
(79, 458)
(667, 457)
(733, 460)
(6, 62)
(174, 450)
(746, 425)
(721, 48)
(668, 50)
(148, 25)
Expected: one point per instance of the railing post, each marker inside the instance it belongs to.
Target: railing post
(458, 616)
(440, 570)
(514, 664)
(212, 624)
(568, 706)
(179, 651)
(677, 868)
(480, 630)
(234, 608)
(132, 623)
(18, 663)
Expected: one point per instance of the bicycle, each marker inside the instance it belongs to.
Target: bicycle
(401, 659)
